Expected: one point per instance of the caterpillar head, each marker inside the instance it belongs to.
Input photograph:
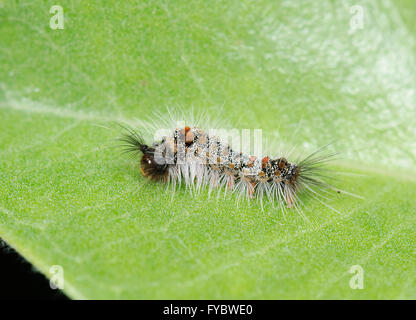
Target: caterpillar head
(150, 168)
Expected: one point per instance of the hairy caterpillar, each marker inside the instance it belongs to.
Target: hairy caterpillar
(198, 159)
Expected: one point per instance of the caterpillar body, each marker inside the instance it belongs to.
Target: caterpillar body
(198, 159)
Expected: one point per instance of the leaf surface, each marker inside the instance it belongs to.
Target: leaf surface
(296, 70)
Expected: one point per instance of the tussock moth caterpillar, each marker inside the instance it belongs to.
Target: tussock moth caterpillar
(190, 155)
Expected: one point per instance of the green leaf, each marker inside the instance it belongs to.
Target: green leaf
(294, 69)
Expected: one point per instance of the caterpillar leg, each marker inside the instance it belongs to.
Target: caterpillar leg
(250, 189)
(230, 182)
(289, 201)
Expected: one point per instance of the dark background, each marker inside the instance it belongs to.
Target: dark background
(20, 280)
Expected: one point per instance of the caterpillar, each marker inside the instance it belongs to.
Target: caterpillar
(198, 159)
